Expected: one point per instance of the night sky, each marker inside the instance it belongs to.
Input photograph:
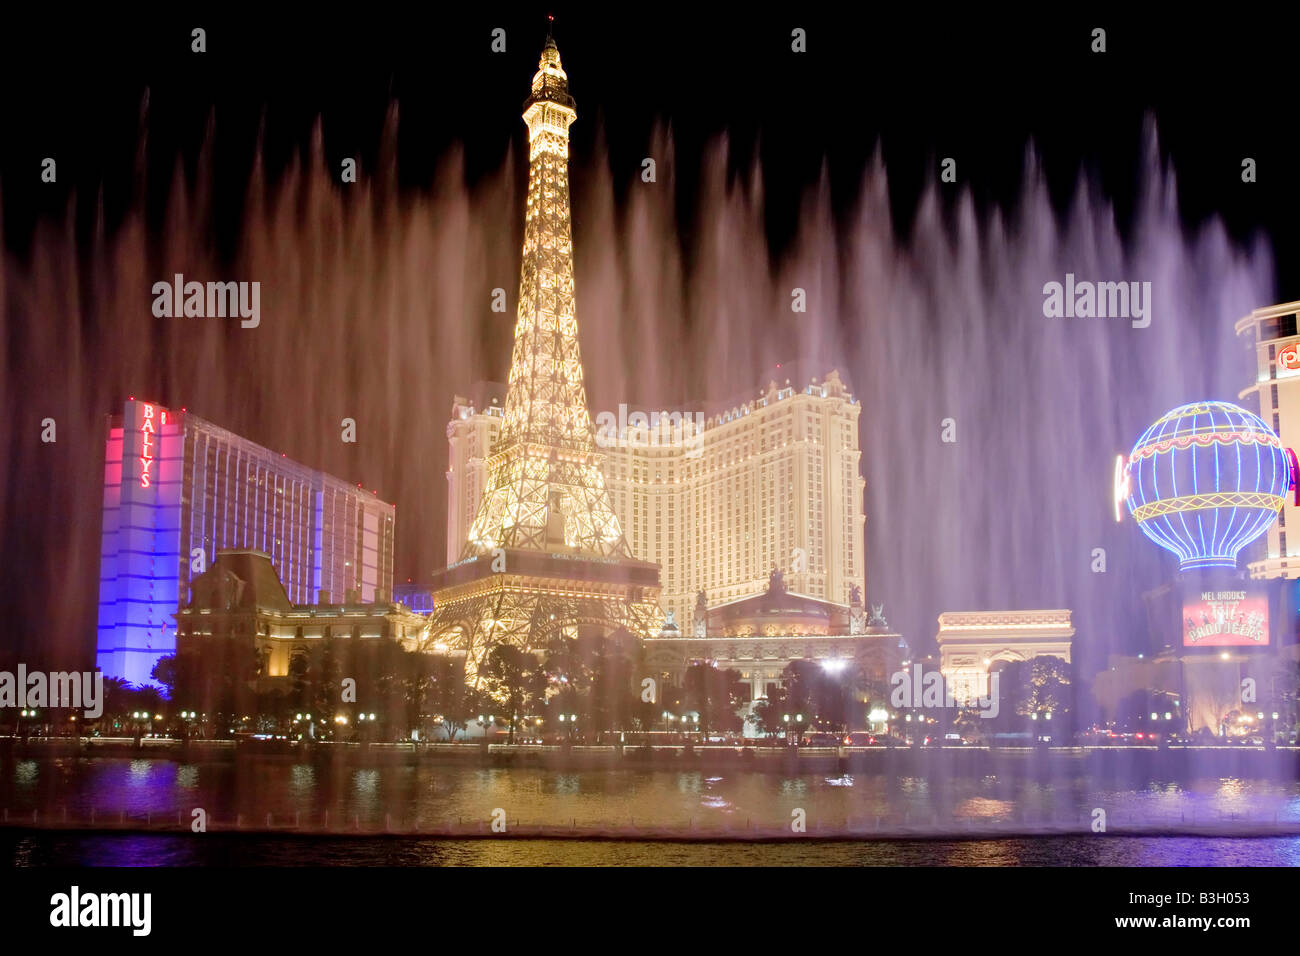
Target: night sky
(978, 86)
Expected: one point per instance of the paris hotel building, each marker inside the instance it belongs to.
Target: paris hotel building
(770, 481)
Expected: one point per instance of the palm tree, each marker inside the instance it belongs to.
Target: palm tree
(117, 697)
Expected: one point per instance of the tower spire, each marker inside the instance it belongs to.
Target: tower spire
(545, 485)
(559, 563)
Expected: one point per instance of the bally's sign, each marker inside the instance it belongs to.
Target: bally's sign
(152, 421)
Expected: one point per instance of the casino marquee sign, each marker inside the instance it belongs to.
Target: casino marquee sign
(1226, 619)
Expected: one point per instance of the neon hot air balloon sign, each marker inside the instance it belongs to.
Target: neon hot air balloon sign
(1206, 480)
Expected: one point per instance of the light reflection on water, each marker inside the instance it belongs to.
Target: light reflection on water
(54, 849)
(432, 796)
(984, 807)
(25, 772)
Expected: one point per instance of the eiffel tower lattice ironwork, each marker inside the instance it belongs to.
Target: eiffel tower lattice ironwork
(546, 554)
(545, 486)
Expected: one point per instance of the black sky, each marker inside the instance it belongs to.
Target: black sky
(975, 85)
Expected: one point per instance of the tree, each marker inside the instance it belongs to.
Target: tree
(326, 684)
(117, 698)
(831, 697)
(1133, 711)
(643, 714)
(450, 697)
(300, 680)
(417, 685)
(149, 700)
(969, 723)
(512, 677)
(802, 682)
(769, 712)
(568, 665)
(1283, 691)
(716, 695)
(562, 708)
(381, 668)
(1041, 686)
(217, 675)
(165, 671)
(1047, 689)
(613, 697)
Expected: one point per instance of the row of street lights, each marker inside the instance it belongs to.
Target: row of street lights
(485, 721)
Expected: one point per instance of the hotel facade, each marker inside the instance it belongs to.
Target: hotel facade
(241, 596)
(1275, 341)
(178, 488)
(716, 501)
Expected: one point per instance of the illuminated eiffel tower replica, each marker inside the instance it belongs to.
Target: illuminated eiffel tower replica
(546, 556)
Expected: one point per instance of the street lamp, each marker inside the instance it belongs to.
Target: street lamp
(571, 720)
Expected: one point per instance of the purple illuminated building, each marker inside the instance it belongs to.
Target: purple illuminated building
(177, 489)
